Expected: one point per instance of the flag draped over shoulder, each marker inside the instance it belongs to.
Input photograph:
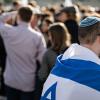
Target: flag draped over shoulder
(75, 76)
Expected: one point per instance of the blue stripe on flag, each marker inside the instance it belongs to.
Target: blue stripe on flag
(81, 71)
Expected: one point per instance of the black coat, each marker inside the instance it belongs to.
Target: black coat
(73, 30)
(2, 65)
(2, 54)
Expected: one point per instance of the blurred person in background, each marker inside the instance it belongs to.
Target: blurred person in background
(68, 16)
(1, 8)
(9, 18)
(47, 12)
(44, 29)
(87, 10)
(16, 5)
(24, 46)
(36, 18)
(2, 58)
(60, 41)
(33, 3)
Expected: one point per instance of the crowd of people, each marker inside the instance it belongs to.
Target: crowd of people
(31, 39)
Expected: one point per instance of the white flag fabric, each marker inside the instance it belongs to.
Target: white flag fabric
(75, 76)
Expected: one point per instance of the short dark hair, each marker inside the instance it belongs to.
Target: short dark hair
(70, 11)
(25, 13)
(87, 35)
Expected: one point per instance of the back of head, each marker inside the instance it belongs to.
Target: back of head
(69, 9)
(59, 36)
(25, 14)
(71, 12)
(88, 30)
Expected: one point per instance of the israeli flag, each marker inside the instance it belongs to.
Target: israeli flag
(75, 76)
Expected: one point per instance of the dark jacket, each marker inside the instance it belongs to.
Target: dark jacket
(73, 30)
(2, 53)
(2, 65)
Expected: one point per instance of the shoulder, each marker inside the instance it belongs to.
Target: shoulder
(5, 26)
(4, 29)
(50, 53)
(36, 33)
(50, 50)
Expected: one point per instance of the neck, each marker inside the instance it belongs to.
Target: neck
(23, 23)
(92, 47)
